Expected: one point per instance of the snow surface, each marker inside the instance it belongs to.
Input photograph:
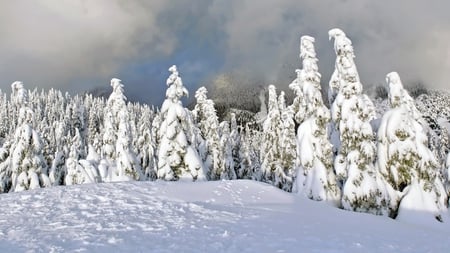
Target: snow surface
(220, 216)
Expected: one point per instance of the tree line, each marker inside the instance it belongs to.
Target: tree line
(344, 154)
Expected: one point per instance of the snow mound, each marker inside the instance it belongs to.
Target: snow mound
(220, 216)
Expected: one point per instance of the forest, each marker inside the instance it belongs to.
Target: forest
(359, 153)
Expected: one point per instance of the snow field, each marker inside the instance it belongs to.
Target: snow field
(219, 216)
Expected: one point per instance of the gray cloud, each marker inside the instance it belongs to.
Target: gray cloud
(54, 43)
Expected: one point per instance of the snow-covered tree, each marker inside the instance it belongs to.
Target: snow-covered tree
(206, 118)
(235, 142)
(272, 166)
(27, 164)
(404, 157)
(116, 103)
(19, 95)
(177, 158)
(363, 188)
(288, 145)
(226, 153)
(79, 171)
(127, 166)
(249, 162)
(315, 175)
(146, 145)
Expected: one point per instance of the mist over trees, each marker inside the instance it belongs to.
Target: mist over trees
(386, 156)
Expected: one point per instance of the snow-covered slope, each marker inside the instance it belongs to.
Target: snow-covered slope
(221, 216)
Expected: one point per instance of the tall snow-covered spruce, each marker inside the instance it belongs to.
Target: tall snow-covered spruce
(206, 118)
(363, 187)
(272, 165)
(177, 157)
(27, 164)
(315, 175)
(404, 157)
(119, 157)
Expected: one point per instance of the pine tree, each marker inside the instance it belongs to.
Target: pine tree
(208, 122)
(235, 142)
(315, 176)
(176, 157)
(363, 190)
(77, 171)
(226, 153)
(127, 166)
(272, 168)
(119, 133)
(146, 145)
(27, 165)
(249, 162)
(404, 157)
(288, 145)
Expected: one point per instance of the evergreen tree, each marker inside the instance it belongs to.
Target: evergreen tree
(235, 142)
(315, 176)
(272, 166)
(27, 165)
(177, 158)
(249, 162)
(288, 145)
(124, 162)
(127, 166)
(78, 172)
(363, 188)
(146, 145)
(404, 157)
(206, 118)
(226, 153)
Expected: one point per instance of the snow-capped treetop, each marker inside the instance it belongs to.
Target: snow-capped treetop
(345, 78)
(19, 94)
(398, 96)
(173, 77)
(310, 69)
(117, 85)
(342, 44)
(176, 89)
(261, 116)
(307, 84)
(200, 95)
(307, 47)
(116, 100)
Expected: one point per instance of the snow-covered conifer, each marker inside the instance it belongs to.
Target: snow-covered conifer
(249, 162)
(27, 164)
(235, 140)
(177, 158)
(206, 118)
(78, 172)
(363, 189)
(288, 145)
(315, 175)
(272, 169)
(404, 157)
(226, 153)
(19, 95)
(146, 145)
(127, 166)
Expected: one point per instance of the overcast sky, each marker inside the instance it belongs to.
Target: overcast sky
(76, 45)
